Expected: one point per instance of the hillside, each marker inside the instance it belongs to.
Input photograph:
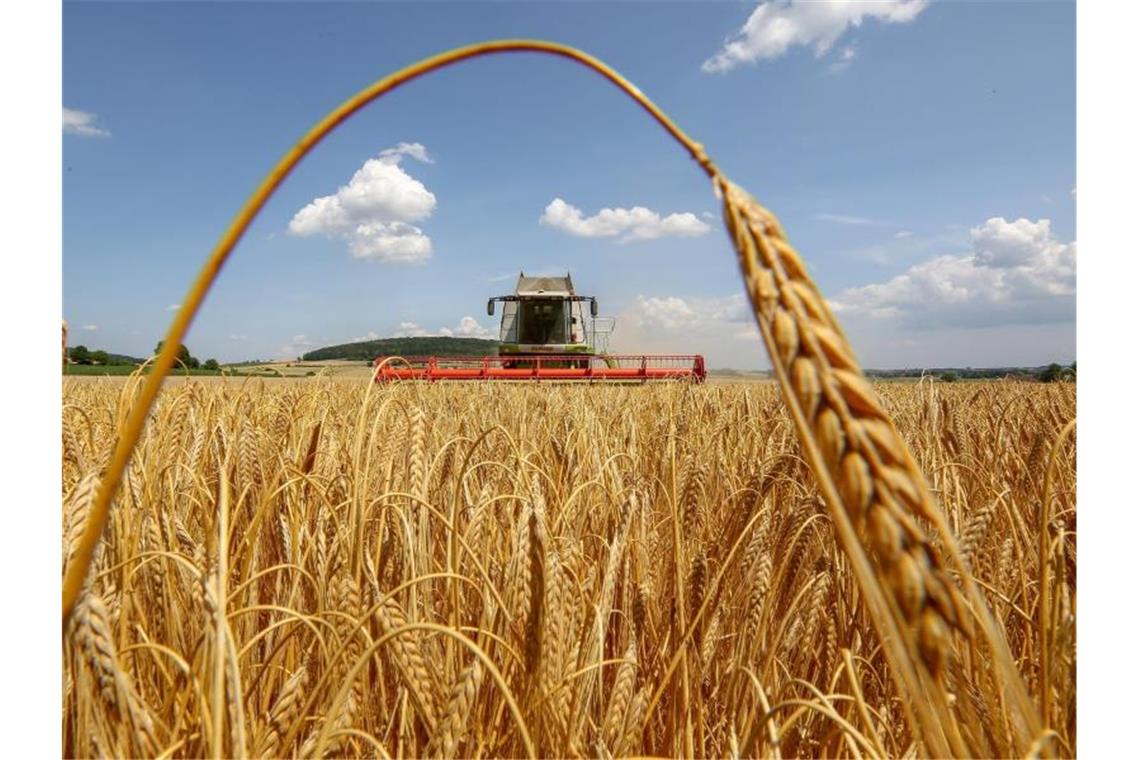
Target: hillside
(438, 346)
(85, 354)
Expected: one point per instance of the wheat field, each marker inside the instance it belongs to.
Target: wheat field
(312, 568)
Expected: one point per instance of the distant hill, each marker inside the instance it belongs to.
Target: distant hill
(124, 359)
(964, 373)
(437, 346)
(112, 359)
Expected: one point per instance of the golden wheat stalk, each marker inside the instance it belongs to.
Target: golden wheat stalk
(877, 496)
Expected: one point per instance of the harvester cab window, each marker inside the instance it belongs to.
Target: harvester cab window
(542, 321)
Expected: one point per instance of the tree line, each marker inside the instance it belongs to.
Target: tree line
(186, 359)
(83, 355)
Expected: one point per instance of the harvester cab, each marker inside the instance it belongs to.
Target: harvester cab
(546, 316)
(547, 332)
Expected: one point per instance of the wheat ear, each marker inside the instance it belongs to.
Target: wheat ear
(875, 492)
(454, 724)
(410, 662)
(91, 629)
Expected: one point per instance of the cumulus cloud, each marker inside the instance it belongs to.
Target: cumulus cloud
(375, 211)
(721, 328)
(637, 223)
(173, 307)
(669, 312)
(298, 345)
(90, 328)
(778, 25)
(727, 315)
(1018, 272)
(409, 330)
(467, 327)
(82, 123)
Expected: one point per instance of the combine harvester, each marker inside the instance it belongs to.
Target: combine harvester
(545, 334)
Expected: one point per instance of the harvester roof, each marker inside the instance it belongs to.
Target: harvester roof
(544, 286)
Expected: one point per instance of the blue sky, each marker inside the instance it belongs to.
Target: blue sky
(921, 156)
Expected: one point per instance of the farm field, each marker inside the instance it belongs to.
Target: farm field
(269, 370)
(320, 567)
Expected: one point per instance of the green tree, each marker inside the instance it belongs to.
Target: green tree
(183, 355)
(948, 377)
(1050, 374)
(80, 355)
(211, 364)
(100, 357)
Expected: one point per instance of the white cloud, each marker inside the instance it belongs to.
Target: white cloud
(844, 60)
(901, 234)
(90, 328)
(468, 327)
(235, 336)
(1017, 273)
(637, 223)
(726, 314)
(374, 212)
(859, 221)
(669, 312)
(409, 330)
(415, 150)
(721, 328)
(82, 123)
(295, 347)
(778, 25)
(173, 307)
